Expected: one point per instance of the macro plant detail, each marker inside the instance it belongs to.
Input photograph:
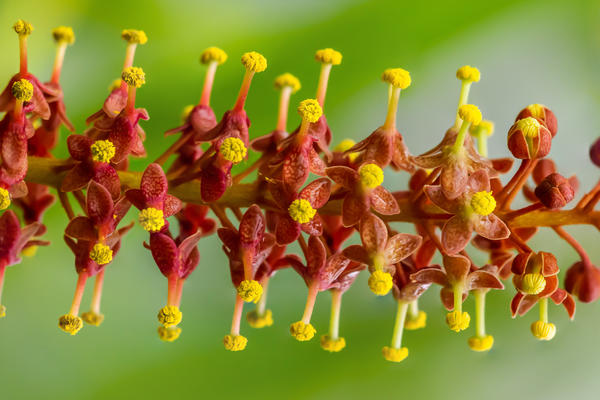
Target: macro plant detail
(301, 189)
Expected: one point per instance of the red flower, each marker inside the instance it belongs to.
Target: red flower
(583, 281)
(541, 113)
(175, 261)
(38, 104)
(529, 138)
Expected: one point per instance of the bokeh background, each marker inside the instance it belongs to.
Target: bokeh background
(528, 51)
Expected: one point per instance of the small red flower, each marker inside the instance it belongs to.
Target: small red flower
(541, 113)
(529, 138)
(583, 280)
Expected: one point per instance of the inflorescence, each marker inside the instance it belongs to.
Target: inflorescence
(301, 189)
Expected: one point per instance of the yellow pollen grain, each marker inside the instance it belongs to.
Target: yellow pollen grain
(468, 73)
(255, 320)
(4, 199)
(134, 36)
(254, 61)
(397, 77)
(371, 175)
(22, 90)
(533, 283)
(543, 330)
(63, 34)
(332, 345)
(302, 332)
(470, 113)
(481, 344)
(380, 282)
(483, 203)
(394, 355)
(529, 126)
(458, 321)
(213, 54)
(328, 56)
(235, 342)
(70, 323)
(169, 316)
(310, 110)
(102, 151)
(537, 110)
(134, 76)
(101, 254)
(250, 290)
(301, 211)
(288, 80)
(23, 28)
(92, 318)
(233, 149)
(169, 334)
(151, 219)
(420, 321)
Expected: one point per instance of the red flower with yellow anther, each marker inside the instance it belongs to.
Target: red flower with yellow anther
(319, 274)
(13, 239)
(380, 252)
(386, 145)
(528, 138)
(92, 163)
(215, 176)
(542, 114)
(246, 249)
(153, 201)
(535, 273)
(298, 211)
(583, 280)
(457, 280)
(364, 191)
(472, 211)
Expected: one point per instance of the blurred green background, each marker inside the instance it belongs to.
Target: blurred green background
(527, 51)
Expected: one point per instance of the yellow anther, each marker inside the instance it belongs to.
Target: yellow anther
(458, 321)
(250, 290)
(23, 28)
(22, 90)
(114, 85)
(29, 251)
(254, 61)
(101, 253)
(470, 113)
(233, 149)
(344, 145)
(328, 56)
(288, 80)
(92, 318)
(235, 342)
(257, 320)
(371, 175)
(529, 126)
(169, 316)
(468, 73)
(2, 311)
(301, 211)
(543, 330)
(4, 199)
(483, 203)
(394, 355)
(102, 151)
(301, 331)
(310, 110)
(134, 36)
(169, 334)
(186, 112)
(70, 323)
(419, 322)
(151, 219)
(481, 344)
(134, 76)
(397, 77)
(537, 110)
(213, 54)
(332, 345)
(533, 283)
(380, 282)
(63, 34)
(485, 127)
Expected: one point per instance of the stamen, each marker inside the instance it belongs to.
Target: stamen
(332, 342)
(481, 341)
(288, 84)
(395, 352)
(212, 57)
(253, 62)
(467, 76)
(4, 199)
(327, 58)
(380, 282)
(63, 36)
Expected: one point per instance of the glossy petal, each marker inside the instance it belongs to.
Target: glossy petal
(384, 202)
(456, 234)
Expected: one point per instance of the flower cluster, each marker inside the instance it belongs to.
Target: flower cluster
(299, 189)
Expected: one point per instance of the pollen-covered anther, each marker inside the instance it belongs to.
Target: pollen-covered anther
(394, 355)
(483, 203)
(102, 151)
(301, 331)
(533, 283)
(134, 76)
(169, 316)
(468, 73)
(470, 113)
(213, 54)
(29, 251)
(380, 282)
(254, 61)
(151, 219)
(288, 80)
(4, 199)
(418, 322)
(23, 28)
(250, 290)
(371, 175)
(63, 34)
(344, 145)
(328, 56)
(310, 110)
(458, 321)
(233, 149)
(485, 127)
(332, 345)
(537, 110)
(134, 36)
(22, 90)
(529, 126)
(397, 77)
(70, 323)
(481, 343)
(258, 321)
(301, 211)
(169, 334)
(101, 254)
(92, 318)
(235, 342)
(543, 330)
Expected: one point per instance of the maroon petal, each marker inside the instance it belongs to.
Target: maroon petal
(165, 253)
(454, 179)
(430, 275)
(400, 246)
(287, 230)
(136, 197)
(354, 208)
(316, 255)
(491, 227)
(357, 253)
(456, 234)
(154, 184)
(106, 176)
(295, 169)
(317, 192)
(99, 204)
(229, 237)
(172, 205)
(483, 280)
(252, 226)
(77, 178)
(437, 197)
(213, 183)
(316, 165)
(79, 147)
(82, 228)
(457, 267)
(373, 233)
(384, 202)
(314, 227)
(345, 176)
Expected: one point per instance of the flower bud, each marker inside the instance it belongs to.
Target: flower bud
(542, 113)
(583, 281)
(529, 139)
(554, 191)
(595, 153)
(542, 169)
